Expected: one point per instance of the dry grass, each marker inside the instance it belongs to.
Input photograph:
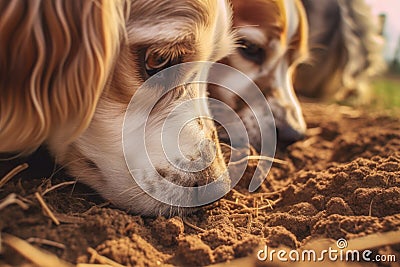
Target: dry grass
(13, 199)
(57, 186)
(258, 157)
(101, 259)
(193, 226)
(46, 208)
(13, 173)
(33, 254)
(43, 259)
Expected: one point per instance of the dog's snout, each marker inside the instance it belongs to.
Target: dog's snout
(289, 134)
(206, 186)
(207, 150)
(199, 158)
(289, 120)
(291, 127)
(207, 172)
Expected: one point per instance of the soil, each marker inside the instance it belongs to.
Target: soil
(342, 181)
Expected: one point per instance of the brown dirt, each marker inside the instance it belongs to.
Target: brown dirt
(343, 181)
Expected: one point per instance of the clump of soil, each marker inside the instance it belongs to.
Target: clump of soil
(342, 181)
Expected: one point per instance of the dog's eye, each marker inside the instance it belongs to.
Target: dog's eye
(155, 62)
(251, 51)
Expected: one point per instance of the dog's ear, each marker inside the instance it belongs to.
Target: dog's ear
(55, 58)
(303, 31)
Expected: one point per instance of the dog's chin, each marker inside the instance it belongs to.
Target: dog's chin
(148, 206)
(171, 211)
(156, 197)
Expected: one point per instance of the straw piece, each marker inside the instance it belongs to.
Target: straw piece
(46, 208)
(46, 242)
(92, 265)
(103, 260)
(12, 199)
(241, 205)
(32, 253)
(194, 226)
(58, 186)
(12, 173)
(242, 160)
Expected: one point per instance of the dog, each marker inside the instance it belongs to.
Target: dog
(68, 71)
(345, 52)
(272, 41)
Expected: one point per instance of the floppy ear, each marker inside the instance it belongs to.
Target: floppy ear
(302, 52)
(303, 30)
(55, 59)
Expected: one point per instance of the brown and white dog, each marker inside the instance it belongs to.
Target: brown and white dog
(272, 41)
(68, 70)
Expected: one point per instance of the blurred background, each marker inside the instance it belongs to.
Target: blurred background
(387, 87)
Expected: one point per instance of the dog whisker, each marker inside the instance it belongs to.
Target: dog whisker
(136, 196)
(64, 166)
(126, 190)
(229, 146)
(245, 26)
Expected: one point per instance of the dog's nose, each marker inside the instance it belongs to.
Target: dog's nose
(207, 150)
(292, 128)
(286, 133)
(199, 159)
(212, 182)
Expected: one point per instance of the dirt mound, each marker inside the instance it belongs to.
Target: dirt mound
(342, 181)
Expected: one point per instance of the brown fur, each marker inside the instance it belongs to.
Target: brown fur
(265, 14)
(55, 58)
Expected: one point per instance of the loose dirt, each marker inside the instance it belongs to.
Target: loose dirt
(342, 181)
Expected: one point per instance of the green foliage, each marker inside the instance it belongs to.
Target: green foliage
(386, 94)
